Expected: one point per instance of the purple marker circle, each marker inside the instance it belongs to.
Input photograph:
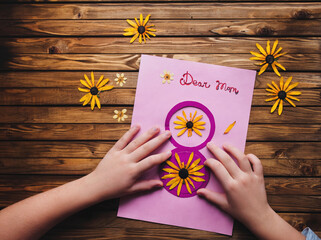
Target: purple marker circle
(184, 157)
(196, 105)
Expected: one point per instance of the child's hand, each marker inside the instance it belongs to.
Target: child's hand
(245, 196)
(118, 172)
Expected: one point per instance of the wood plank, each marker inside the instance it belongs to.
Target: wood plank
(157, 45)
(130, 62)
(98, 149)
(115, 131)
(78, 114)
(73, 131)
(150, 1)
(16, 187)
(64, 96)
(161, 11)
(79, 166)
(26, 79)
(255, 27)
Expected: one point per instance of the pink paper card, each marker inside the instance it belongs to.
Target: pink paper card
(197, 102)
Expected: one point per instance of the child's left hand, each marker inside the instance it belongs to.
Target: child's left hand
(118, 172)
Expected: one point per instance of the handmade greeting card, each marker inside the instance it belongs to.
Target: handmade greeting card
(198, 103)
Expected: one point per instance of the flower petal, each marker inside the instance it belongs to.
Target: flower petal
(198, 118)
(92, 78)
(182, 119)
(277, 52)
(130, 22)
(85, 84)
(174, 182)
(170, 170)
(280, 65)
(187, 186)
(292, 103)
(275, 105)
(179, 187)
(141, 19)
(271, 99)
(276, 86)
(97, 101)
(88, 81)
(270, 90)
(146, 20)
(134, 38)
(197, 174)
(293, 98)
(181, 132)
(92, 103)
(172, 165)
(100, 79)
(273, 88)
(191, 156)
(197, 131)
(197, 161)
(197, 179)
(106, 88)
(84, 97)
(169, 176)
(180, 127)
(104, 82)
(280, 107)
(257, 58)
(196, 168)
(184, 114)
(287, 83)
(129, 33)
(83, 90)
(87, 100)
(140, 38)
(258, 55)
(261, 49)
(268, 48)
(279, 55)
(295, 93)
(293, 85)
(263, 68)
(178, 160)
(190, 182)
(275, 69)
(274, 46)
(281, 83)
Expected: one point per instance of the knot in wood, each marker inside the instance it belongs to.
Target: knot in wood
(308, 170)
(302, 14)
(53, 50)
(265, 31)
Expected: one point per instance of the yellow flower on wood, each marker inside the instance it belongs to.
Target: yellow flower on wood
(281, 93)
(182, 174)
(120, 115)
(139, 29)
(190, 125)
(120, 79)
(93, 90)
(268, 57)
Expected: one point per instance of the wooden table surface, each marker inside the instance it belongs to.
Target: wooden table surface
(47, 138)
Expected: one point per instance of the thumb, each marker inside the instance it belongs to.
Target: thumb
(145, 185)
(218, 199)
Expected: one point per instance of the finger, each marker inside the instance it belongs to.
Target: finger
(239, 156)
(145, 185)
(217, 198)
(220, 171)
(225, 159)
(152, 161)
(126, 138)
(132, 146)
(256, 163)
(150, 146)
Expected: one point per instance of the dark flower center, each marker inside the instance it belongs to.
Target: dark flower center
(269, 59)
(189, 124)
(141, 29)
(94, 91)
(183, 173)
(282, 95)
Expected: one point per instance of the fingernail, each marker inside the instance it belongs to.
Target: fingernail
(135, 127)
(169, 153)
(156, 129)
(168, 133)
(159, 185)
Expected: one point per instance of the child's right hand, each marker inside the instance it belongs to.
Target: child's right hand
(245, 195)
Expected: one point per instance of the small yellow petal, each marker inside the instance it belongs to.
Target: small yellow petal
(92, 79)
(134, 38)
(287, 83)
(281, 83)
(191, 156)
(280, 66)
(92, 103)
(87, 100)
(100, 79)
(275, 69)
(106, 88)
(182, 119)
(85, 84)
(146, 20)
(131, 23)
(271, 99)
(293, 98)
(97, 101)
(83, 90)
(187, 186)
(261, 49)
(197, 179)
(178, 160)
(179, 187)
(181, 132)
(295, 93)
(184, 114)
(268, 48)
(263, 68)
(190, 182)
(292, 103)
(293, 85)
(229, 127)
(84, 97)
(88, 81)
(197, 161)
(280, 107)
(258, 55)
(104, 82)
(196, 168)
(275, 105)
(172, 165)
(197, 131)
(169, 176)
(170, 170)
(274, 46)
(141, 19)
(197, 174)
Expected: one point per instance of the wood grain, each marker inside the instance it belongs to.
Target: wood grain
(40, 79)
(64, 96)
(168, 11)
(78, 114)
(79, 166)
(193, 45)
(254, 27)
(130, 62)
(98, 149)
(73, 131)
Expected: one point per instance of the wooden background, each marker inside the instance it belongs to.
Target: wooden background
(47, 138)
